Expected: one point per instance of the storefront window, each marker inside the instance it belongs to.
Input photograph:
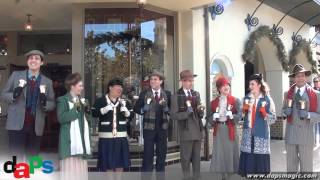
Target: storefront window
(118, 44)
(51, 44)
(3, 45)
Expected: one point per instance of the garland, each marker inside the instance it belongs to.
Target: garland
(304, 46)
(250, 52)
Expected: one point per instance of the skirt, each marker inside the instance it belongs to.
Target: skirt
(113, 153)
(73, 168)
(225, 153)
(251, 163)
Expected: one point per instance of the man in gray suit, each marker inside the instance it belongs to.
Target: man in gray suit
(187, 110)
(29, 95)
(302, 109)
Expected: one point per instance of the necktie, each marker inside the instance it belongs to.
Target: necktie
(189, 96)
(298, 98)
(32, 83)
(156, 97)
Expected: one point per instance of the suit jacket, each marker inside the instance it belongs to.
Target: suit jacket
(301, 132)
(16, 109)
(160, 119)
(189, 124)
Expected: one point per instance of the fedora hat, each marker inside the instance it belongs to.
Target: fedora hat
(157, 73)
(298, 68)
(187, 74)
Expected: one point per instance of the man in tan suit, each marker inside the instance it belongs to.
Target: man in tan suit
(187, 110)
(302, 109)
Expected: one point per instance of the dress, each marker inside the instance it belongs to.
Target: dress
(225, 152)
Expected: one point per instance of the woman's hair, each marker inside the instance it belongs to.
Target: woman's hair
(72, 80)
(259, 79)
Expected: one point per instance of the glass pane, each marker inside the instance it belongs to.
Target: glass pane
(47, 43)
(118, 45)
(3, 45)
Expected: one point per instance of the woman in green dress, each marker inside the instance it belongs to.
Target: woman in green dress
(74, 141)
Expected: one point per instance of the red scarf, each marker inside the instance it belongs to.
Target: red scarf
(312, 99)
(230, 101)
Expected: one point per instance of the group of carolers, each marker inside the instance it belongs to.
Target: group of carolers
(301, 109)
(32, 93)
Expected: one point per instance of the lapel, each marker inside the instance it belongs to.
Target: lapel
(149, 94)
(44, 82)
(69, 97)
(182, 94)
(23, 76)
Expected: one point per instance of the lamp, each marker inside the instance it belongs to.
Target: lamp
(141, 2)
(28, 25)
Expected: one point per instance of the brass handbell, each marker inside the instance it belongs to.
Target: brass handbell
(289, 103)
(302, 106)
(188, 102)
(229, 107)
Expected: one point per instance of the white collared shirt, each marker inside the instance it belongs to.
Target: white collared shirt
(154, 92)
(186, 92)
(302, 89)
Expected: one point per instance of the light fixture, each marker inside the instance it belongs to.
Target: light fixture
(141, 2)
(317, 1)
(28, 25)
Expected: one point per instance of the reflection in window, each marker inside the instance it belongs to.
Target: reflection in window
(217, 68)
(3, 45)
(116, 45)
(47, 43)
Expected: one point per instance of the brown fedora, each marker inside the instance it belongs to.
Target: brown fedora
(298, 68)
(157, 73)
(187, 74)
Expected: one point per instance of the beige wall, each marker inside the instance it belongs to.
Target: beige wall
(228, 33)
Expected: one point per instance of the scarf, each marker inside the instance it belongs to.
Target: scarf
(76, 144)
(254, 119)
(150, 116)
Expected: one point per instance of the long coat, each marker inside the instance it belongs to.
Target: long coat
(65, 116)
(189, 124)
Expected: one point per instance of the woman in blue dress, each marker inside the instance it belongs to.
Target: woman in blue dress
(114, 113)
(259, 113)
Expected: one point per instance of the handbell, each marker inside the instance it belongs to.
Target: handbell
(149, 100)
(289, 101)
(201, 107)
(123, 103)
(229, 107)
(188, 103)
(302, 104)
(263, 104)
(217, 109)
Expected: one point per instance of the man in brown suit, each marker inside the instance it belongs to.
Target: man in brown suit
(187, 110)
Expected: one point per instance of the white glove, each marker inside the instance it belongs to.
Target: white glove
(125, 110)
(106, 109)
(229, 113)
(216, 116)
(204, 122)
